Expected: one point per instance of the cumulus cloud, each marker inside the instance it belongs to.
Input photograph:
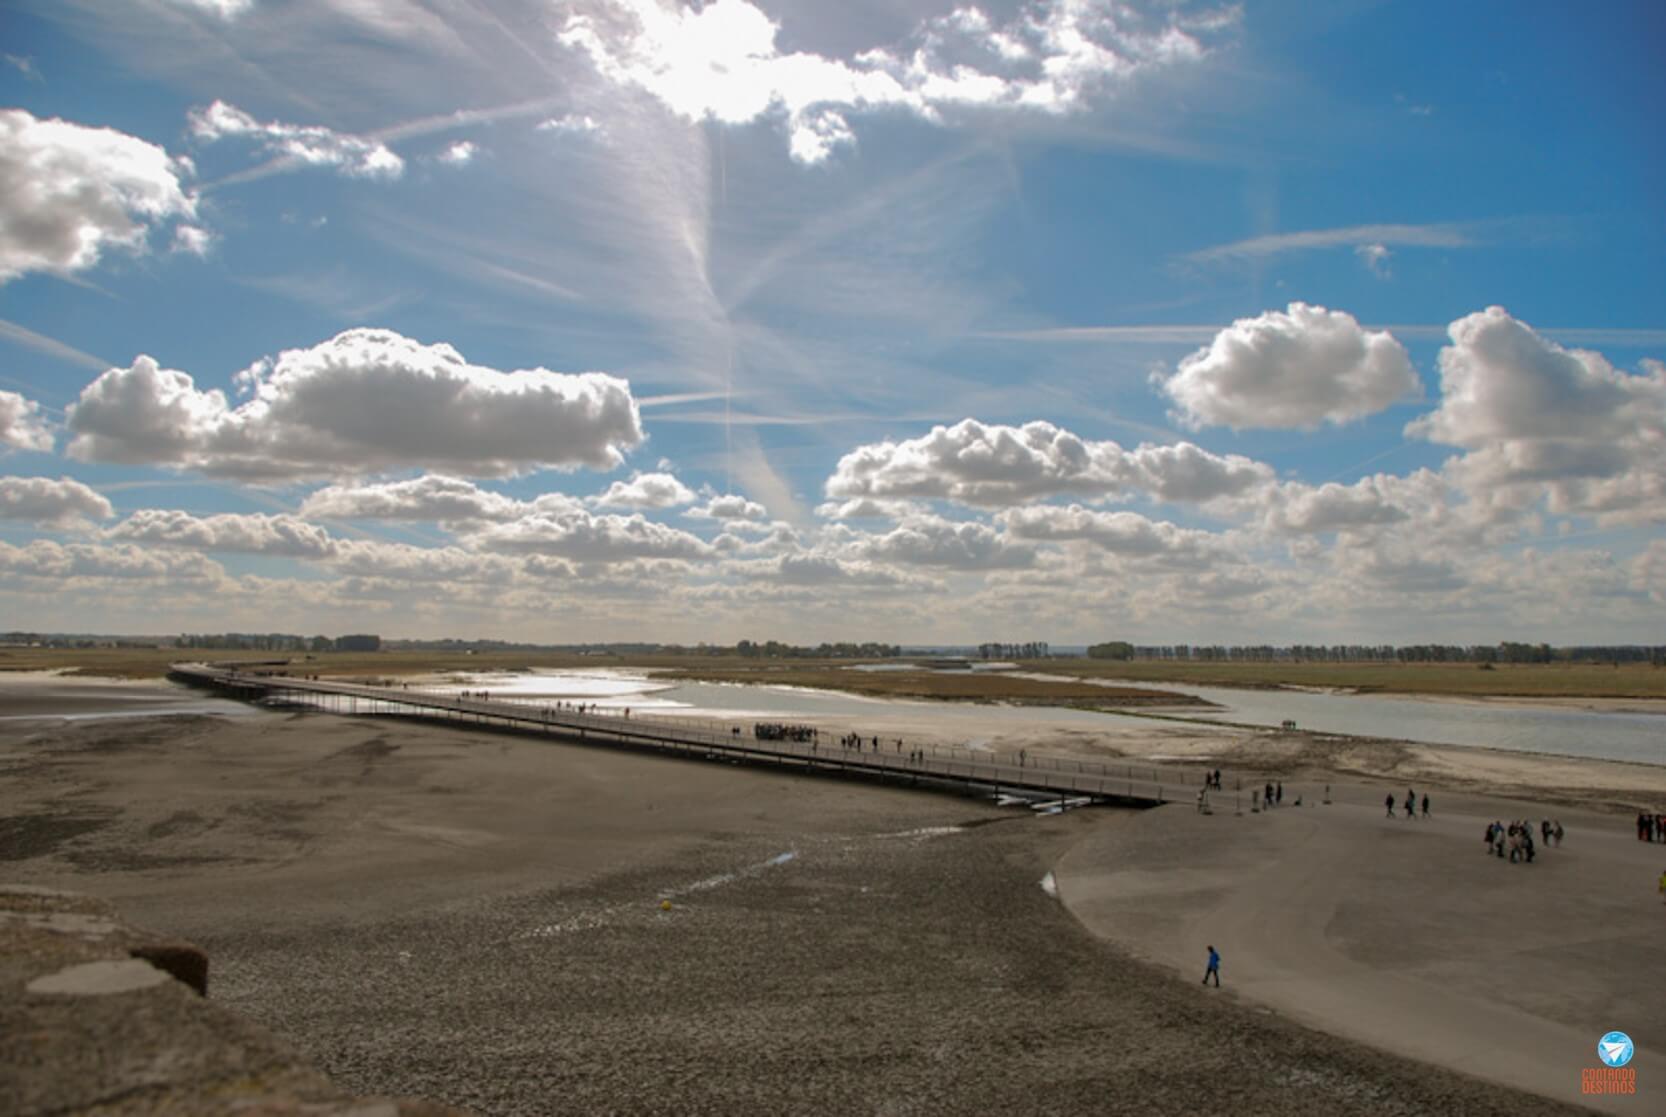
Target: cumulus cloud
(68, 193)
(1401, 568)
(459, 154)
(45, 558)
(22, 426)
(1122, 533)
(311, 145)
(365, 401)
(992, 465)
(1188, 474)
(588, 538)
(826, 570)
(1536, 417)
(403, 563)
(41, 500)
(1648, 571)
(933, 541)
(246, 533)
(1295, 368)
(720, 61)
(729, 506)
(867, 508)
(646, 490)
(431, 498)
(1375, 258)
(1294, 508)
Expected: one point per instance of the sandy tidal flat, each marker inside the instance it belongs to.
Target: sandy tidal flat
(477, 918)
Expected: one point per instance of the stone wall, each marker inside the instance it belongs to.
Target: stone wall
(98, 1017)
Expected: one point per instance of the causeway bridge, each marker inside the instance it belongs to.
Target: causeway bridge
(1043, 782)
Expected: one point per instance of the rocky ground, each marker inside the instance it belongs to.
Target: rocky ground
(886, 973)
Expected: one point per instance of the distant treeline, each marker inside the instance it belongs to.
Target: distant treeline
(774, 649)
(75, 640)
(277, 642)
(1506, 652)
(1034, 649)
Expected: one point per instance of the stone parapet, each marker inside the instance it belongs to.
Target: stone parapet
(99, 1017)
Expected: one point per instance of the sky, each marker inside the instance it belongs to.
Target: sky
(928, 322)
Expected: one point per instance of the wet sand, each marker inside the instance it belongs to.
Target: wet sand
(476, 918)
(1402, 933)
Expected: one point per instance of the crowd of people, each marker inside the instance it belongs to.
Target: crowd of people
(1651, 827)
(780, 731)
(1515, 841)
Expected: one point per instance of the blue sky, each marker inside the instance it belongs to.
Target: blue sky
(617, 319)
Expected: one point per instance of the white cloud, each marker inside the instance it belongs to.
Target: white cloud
(1273, 244)
(23, 64)
(646, 490)
(22, 426)
(403, 563)
(1123, 533)
(1535, 417)
(225, 9)
(69, 192)
(587, 538)
(302, 144)
(729, 506)
(1648, 571)
(578, 124)
(1294, 368)
(41, 500)
(992, 465)
(45, 558)
(246, 533)
(459, 154)
(825, 570)
(1188, 474)
(932, 541)
(431, 498)
(720, 61)
(192, 240)
(365, 401)
(1294, 508)
(1375, 258)
(1399, 568)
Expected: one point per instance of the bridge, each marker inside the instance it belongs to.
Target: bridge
(1043, 782)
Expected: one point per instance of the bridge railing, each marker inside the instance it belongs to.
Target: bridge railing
(1037, 772)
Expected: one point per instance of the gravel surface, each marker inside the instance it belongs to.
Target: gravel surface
(890, 974)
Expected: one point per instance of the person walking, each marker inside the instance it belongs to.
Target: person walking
(1411, 804)
(1389, 803)
(1425, 804)
(1214, 969)
(1278, 793)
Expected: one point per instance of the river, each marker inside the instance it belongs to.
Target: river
(1638, 737)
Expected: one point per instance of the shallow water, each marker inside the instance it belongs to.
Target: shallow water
(1536, 729)
(1610, 735)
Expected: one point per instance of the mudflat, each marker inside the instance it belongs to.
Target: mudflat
(478, 918)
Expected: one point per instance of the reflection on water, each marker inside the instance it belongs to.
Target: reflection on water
(1538, 729)
(1542, 729)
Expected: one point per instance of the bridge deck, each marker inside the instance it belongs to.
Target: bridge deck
(1040, 778)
